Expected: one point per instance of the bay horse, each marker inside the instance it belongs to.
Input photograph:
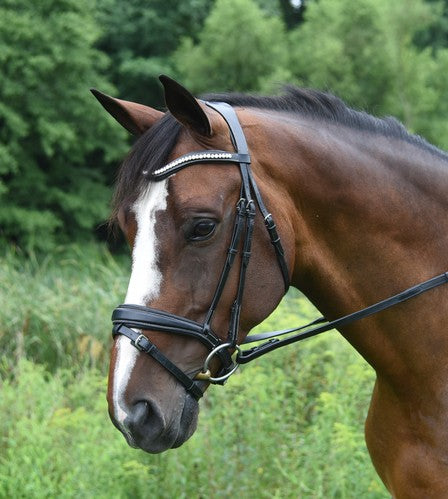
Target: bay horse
(360, 209)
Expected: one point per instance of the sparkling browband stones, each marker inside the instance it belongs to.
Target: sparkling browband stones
(197, 157)
(192, 157)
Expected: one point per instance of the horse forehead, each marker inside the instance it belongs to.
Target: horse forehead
(151, 201)
(141, 225)
(204, 183)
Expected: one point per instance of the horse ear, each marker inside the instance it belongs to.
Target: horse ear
(186, 108)
(136, 118)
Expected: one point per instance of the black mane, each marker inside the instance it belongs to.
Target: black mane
(149, 153)
(318, 105)
(152, 149)
(314, 104)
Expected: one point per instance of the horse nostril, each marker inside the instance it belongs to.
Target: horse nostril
(144, 419)
(140, 412)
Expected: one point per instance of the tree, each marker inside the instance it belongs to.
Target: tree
(140, 37)
(239, 48)
(293, 12)
(436, 35)
(55, 141)
(364, 51)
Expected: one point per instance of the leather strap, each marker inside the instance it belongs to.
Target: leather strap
(145, 345)
(274, 342)
(273, 234)
(240, 144)
(234, 322)
(136, 316)
(236, 132)
(231, 254)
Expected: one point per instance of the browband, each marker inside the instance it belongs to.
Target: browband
(198, 157)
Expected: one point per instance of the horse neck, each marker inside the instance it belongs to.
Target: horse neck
(370, 220)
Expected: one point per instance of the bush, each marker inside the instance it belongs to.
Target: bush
(288, 425)
(56, 145)
(56, 309)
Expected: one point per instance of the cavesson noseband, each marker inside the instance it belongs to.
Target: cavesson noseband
(127, 318)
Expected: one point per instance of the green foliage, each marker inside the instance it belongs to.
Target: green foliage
(57, 144)
(289, 425)
(54, 138)
(293, 11)
(239, 48)
(56, 309)
(365, 54)
(140, 37)
(57, 441)
(371, 53)
(436, 35)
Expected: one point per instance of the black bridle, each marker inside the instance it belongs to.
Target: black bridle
(126, 318)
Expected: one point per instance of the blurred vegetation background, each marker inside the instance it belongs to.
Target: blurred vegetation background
(292, 424)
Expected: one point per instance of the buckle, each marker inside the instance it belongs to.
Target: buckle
(136, 342)
(269, 222)
(250, 208)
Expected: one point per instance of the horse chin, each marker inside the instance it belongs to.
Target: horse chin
(188, 421)
(175, 434)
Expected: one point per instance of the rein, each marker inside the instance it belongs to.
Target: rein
(129, 319)
(274, 342)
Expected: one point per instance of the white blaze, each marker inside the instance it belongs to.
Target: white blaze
(144, 284)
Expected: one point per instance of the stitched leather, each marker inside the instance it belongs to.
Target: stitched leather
(145, 345)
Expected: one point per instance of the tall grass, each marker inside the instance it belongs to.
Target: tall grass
(290, 425)
(56, 309)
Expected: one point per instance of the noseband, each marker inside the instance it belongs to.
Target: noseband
(127, 318)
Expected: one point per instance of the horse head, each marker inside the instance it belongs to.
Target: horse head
(184, 225)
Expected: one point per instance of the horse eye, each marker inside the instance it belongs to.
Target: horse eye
(203, 229)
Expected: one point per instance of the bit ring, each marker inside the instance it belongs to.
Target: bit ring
(205, 374)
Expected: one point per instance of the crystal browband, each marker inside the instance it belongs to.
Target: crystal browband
(197, 157)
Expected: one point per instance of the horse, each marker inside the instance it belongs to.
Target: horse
(228, 200)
